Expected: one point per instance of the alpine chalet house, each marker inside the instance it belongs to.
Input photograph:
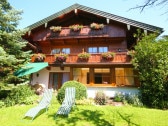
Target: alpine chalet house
(87, 45)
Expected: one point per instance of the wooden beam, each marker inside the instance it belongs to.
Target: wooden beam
(91, 75)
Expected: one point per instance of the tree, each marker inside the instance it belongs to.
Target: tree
(12, 55)
(151, 60)
(148, 3)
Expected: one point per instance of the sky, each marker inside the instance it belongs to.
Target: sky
(35, 10)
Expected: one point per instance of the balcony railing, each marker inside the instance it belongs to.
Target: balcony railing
(120, 57)
(85, 31)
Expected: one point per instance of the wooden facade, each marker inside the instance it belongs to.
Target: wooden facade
(116, 36)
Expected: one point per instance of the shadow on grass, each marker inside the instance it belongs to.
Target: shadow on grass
(82, 118)
(127, 118)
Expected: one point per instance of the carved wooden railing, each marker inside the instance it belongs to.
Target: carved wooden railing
(121, 57)
(85, 31)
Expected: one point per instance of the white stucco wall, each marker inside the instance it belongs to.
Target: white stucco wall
(43, 77)
(111, 91)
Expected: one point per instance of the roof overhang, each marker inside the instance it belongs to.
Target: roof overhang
(106, 15)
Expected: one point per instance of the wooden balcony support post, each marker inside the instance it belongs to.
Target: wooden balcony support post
(112, 76)
(71, 73)
(91, 75)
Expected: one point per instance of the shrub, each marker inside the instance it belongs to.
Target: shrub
(119, 97)
(2, 104)
(100, 98)
(4, 93)
(151, 62)
(133, 99)
(20, 95)
(80, 90)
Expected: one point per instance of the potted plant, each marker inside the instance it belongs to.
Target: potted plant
(96, 26)
(56, 28)
(76, 27)
(39, 57)
(108, 55)
(84, 56)
(60, 58)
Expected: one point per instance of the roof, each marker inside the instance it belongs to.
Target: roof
(99, 13)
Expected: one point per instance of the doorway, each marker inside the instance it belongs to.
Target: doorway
(56, 80)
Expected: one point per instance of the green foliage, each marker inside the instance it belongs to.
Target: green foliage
(12, 55)
(4, 93)
(86, 115)
(39, 57)
(84, 55)
(100, 98)
(96, 26)
(85, 101)
(55, 28)
(80, 90)
(151, 60)
(133, 99)
(118, 97)
(2, 104)
(108, 55)
(76, 27)
(20, 95)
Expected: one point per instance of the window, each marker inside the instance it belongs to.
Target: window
(104, 77)
(62, 50)
(124, 76)
(92, 50)
(66, 50)
(103, 49)
(101, 76)
(97, 49)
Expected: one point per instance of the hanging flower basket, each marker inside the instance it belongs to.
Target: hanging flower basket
(39, 57)
(96, 26)
(84, 56)
(76, 27)
(60, 58)
(55, 28)
(108, 55)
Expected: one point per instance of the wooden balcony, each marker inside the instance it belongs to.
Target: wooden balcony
(119, 58)
(85, 32)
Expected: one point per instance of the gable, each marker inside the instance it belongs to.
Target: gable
(78, 12)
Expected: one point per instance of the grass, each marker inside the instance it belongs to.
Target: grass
(86, 115)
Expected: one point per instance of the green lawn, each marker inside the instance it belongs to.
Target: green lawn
(86, 116)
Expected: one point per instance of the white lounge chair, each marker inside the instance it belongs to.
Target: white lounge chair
(68, 103)
(43, 104)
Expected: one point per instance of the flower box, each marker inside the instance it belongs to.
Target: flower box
(96, 26)
(108, 55)
(39, 57)
(83, 56)
(76, 27)
(55, 28)
(60, 58)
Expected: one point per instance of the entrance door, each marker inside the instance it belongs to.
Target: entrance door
(57, 79)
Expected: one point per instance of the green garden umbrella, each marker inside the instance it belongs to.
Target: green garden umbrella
(30, 68)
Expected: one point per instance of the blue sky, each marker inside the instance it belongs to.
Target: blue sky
(35, 10)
